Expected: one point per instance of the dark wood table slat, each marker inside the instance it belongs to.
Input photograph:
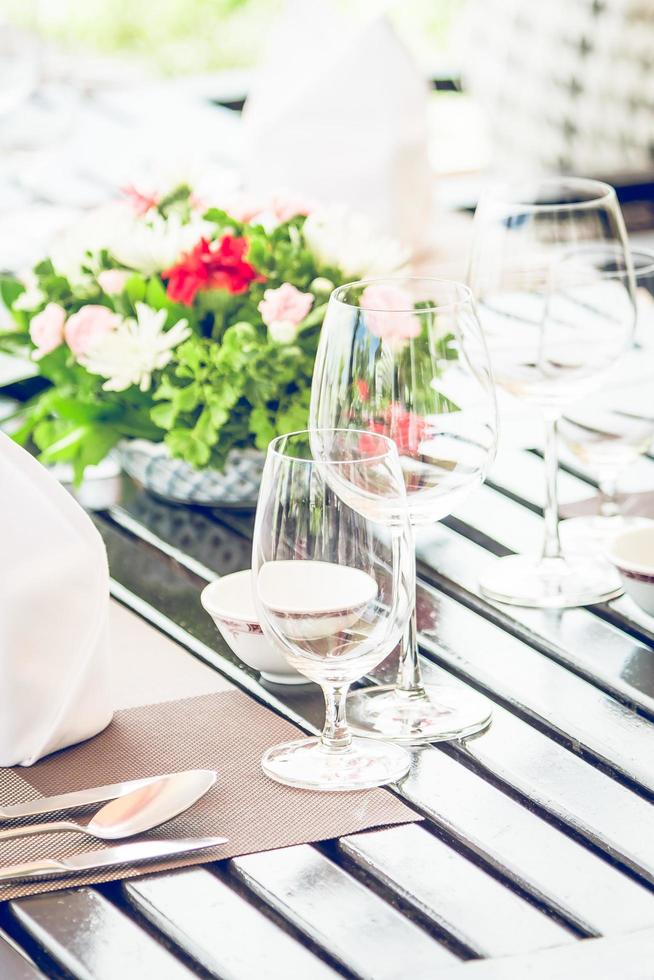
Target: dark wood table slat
(523, 678)
(212, 923)
(628, 957)
(14, 962)
(465, 901)
(338, 913)
(93, 940)
(590, 893)
(606, 813)
(592, 647)
(513, 526)
(521, 475)
(567, 705)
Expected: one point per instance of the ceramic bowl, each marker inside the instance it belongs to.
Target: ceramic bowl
(632, 553)
(230, 604)
(150, 464)
(315, 599)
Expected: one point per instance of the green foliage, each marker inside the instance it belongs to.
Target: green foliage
(243, 391)
(227, 386)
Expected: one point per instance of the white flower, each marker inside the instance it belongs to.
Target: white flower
(90, 234)
(152, 243)
(282, 331)
(350, 241)
(146, 244)
(32, 297)
(130, 354)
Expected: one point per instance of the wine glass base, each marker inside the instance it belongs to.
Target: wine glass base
(594, 534)
(436, 714)
(553, 583)
(308, 764)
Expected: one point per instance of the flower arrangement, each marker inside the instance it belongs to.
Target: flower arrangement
(162, 319)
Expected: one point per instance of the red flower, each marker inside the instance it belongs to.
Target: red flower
(211, 265)
(406, 429)
(363, 389)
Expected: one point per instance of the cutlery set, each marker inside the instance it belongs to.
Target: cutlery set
(130, 808)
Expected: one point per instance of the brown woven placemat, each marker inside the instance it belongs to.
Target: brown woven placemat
(226, 731)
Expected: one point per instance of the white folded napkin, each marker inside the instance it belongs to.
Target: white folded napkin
(54, 607)
(338, 113)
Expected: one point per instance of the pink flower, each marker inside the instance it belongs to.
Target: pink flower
(140, 201)
(267, 209)
(87, 326)
(287, 206)
(47, 330)
(112, 281)
(283, 309)
(244, 207)
(388, 313)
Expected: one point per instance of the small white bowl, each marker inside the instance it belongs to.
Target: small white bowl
(230, 604)
(632, 553)
(315, 599)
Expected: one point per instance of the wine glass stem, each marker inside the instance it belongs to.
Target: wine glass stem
(409, 675)
(608, 485)
(335, 734)
(552, 544)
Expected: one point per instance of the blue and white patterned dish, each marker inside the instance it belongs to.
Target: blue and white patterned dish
(150, 464)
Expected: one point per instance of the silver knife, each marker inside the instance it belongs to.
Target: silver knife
(134, 853)
(74, 801)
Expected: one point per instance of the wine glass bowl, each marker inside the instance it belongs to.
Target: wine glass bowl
(556, 318)
(406, 359)
(332, 590)
(419, 376)
(610, 428)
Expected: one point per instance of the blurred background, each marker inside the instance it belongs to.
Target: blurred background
(401, 109)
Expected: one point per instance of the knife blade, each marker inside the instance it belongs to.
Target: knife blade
(134, 853)
(76, 800)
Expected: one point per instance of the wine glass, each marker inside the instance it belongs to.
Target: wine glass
(333, 581)
(610, 429)
(406, 358)
(555, 322)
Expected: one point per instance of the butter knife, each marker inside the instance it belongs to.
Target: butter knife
(135, 853)
(74, 801)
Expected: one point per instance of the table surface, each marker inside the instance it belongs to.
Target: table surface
(536, 857)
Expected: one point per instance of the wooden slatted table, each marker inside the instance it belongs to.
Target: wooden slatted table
(536, 858)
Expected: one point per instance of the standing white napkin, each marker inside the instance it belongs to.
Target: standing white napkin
(339, 114)
(54, 609)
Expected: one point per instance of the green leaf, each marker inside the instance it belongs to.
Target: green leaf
(44, 268)
(155, 295)
(75, 410)
(262, 427)
(135, 289)
(65, 447)
(185, 445)
(10, 290)
(164, 415)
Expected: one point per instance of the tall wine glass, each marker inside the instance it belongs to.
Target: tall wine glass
(333, 580)
(406, 358)
(555, 321)
(608, 430)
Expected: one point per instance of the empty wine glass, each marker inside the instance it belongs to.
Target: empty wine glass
(406, 358)
(609, 429)
(555, 321)
(333, 590)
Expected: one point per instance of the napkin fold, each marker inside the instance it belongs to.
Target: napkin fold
(338, 113)
(54, 610)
